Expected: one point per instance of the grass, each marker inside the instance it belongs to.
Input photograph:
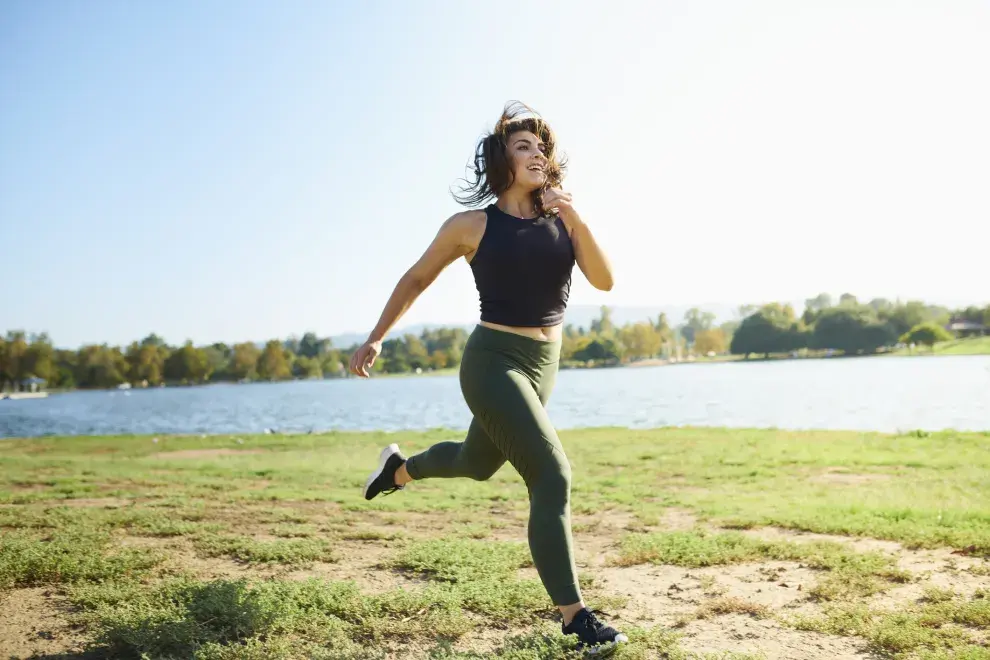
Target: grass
(934, 628)
(279, 551)
(967, 346)
(72, 555)
(849, 574)
(113, 524)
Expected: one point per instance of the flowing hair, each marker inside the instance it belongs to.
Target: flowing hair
(492, 169)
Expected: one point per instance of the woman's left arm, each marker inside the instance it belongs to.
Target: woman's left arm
(589, 255)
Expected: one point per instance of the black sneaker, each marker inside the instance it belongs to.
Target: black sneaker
(382, 480)
(596, 638)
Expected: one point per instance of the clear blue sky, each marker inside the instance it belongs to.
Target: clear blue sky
(242, 171)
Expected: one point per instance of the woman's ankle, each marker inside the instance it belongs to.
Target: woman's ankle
(570, 611)
(402, 476)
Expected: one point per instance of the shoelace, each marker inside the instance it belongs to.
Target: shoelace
(389, 491)
(592, 622)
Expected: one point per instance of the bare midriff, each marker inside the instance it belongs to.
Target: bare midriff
(548, 333)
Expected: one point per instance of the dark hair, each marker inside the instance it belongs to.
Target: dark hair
(492, 170)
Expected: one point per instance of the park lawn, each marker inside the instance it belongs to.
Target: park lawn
(966, 346)
(239, 546)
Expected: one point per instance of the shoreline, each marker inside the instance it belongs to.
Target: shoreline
(636, 364)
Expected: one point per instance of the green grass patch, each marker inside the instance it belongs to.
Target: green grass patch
(370, 535)
(461, 560)
(937, 627)
(965, 346)
(255, 551)
(294, 531)
(237, 618)
(68, 556)
(851, 574)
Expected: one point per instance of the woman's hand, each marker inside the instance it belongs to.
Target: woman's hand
(590, 257)
(560, 201)
(364, 358)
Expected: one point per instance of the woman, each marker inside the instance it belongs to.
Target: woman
(521, 249)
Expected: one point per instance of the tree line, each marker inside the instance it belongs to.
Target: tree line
(847, 326)
(152, 362)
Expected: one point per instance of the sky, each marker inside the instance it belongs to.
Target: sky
(218, 171)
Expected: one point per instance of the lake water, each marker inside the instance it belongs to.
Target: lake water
(879, 393)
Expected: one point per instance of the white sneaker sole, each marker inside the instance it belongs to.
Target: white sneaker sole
(607, 649)
(382, 460)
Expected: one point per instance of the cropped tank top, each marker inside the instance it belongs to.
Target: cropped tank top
(522, 270)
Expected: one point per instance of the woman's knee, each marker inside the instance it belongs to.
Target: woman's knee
(552, 476)
(483, 472)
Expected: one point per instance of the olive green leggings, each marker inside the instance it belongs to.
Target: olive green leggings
(506, 380)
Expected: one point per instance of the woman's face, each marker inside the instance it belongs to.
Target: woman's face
(528, 162)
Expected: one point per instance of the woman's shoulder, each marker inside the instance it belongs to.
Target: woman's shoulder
(467, 222)
(466, 227)
(469, 217)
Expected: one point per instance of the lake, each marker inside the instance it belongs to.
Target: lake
(875, 393)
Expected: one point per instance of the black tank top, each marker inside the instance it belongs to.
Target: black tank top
(522, 269)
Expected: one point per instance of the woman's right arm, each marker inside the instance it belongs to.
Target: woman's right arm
(454, 240)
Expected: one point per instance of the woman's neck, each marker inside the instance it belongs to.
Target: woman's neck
(518, 204)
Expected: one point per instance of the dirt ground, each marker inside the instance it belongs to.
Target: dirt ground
(35, 622)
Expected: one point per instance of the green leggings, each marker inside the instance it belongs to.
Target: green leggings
(506, 380)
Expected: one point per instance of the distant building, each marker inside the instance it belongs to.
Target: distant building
(32, 384)
(967, 329)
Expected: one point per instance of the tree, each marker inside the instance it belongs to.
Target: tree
(728, 330)
(312, 346)
(218, 357)
(819, 303)
(710, 341)
(756, 334)
(665, 332)
(928, 334)
(773, 329)
(881, 306)
(146, 362)
(747, 310)
(101, 366)
(272, 363)
(601, 349)
(852, 330)
(903, 317)
(244, 362)
(66, 366)
(307, 367)
(641, 340)
(439, 359)
(603, 325)
(12, 362)
(154, 340)
(694, 322)
(188, 365)
(333, 363)
(416, 353)
(38, 358)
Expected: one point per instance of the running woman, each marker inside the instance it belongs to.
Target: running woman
(521, 248)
